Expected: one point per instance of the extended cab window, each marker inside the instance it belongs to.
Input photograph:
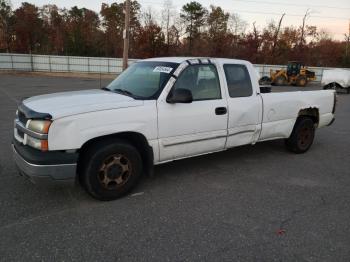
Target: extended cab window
(201, 80)
(238, 81)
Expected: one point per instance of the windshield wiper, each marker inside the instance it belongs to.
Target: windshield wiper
(124, 92)
(106, 89)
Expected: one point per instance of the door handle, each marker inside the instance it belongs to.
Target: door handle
(221, 110)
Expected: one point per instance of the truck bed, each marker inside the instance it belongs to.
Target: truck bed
(282, 109)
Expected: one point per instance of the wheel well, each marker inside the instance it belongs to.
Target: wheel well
(138, 140)
(311, 112)
(334, 84)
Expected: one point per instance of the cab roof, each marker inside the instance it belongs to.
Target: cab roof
(179, 60)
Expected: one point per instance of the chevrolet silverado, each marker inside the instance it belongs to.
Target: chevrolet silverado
(159, 110)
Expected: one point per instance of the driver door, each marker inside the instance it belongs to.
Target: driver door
(187, 129)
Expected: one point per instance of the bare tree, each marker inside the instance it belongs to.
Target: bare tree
(149, 16)
(302, 36)
(255, 31)
(323, 34)
(347, 40)
(275, 38)
(168, 19)
(237, 25)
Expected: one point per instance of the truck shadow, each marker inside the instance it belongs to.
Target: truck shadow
(238, 156)
(208, 167)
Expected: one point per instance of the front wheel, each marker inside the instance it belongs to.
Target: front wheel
(301, 81)
(280, 81)
(112, 169)
(302, 135)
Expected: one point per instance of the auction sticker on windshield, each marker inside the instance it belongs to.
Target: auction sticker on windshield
(163, 69)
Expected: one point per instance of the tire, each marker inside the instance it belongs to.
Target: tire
(301, 81)
(326, 87)
(265, 80)
(112, 168)
(280, 81)
(330, 86)
(302, 136)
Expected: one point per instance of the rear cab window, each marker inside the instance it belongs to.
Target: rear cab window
(238, 80)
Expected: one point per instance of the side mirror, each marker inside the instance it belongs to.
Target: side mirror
(180, 95)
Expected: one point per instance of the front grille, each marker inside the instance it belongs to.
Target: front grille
(20, 134)
(22, 118)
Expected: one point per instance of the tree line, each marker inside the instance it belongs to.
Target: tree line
(194, 31)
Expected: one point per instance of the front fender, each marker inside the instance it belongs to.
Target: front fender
(70, 133)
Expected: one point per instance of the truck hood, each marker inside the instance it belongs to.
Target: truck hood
(77, 102)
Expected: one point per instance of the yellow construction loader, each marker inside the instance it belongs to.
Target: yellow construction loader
(296, 74)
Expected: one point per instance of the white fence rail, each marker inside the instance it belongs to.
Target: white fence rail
(49, 63)
(76, 64)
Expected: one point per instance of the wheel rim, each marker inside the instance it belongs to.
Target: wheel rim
(114, 172)
(305, 137)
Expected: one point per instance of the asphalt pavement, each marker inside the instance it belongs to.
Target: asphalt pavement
(251, 203)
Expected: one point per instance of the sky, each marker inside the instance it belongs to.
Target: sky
(332, 16)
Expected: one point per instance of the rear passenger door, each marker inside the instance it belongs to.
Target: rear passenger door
(244, 106)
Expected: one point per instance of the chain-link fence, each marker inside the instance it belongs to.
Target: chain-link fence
(76, 64)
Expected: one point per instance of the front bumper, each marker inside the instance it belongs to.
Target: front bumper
(331, 123)
(37, 173)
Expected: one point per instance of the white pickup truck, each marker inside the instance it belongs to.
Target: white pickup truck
(159, 110)
(336, 79)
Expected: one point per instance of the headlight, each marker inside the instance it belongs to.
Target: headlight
(37, 143)
(39, 126)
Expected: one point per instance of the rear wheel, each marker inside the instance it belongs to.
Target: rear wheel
(112, 169)
(326, 87)
(302, 135)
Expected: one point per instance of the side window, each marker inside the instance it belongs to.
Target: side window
(238, 81)
(201, 80)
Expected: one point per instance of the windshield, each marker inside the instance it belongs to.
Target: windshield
(143, 80)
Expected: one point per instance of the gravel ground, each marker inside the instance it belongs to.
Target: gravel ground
(252, 203)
